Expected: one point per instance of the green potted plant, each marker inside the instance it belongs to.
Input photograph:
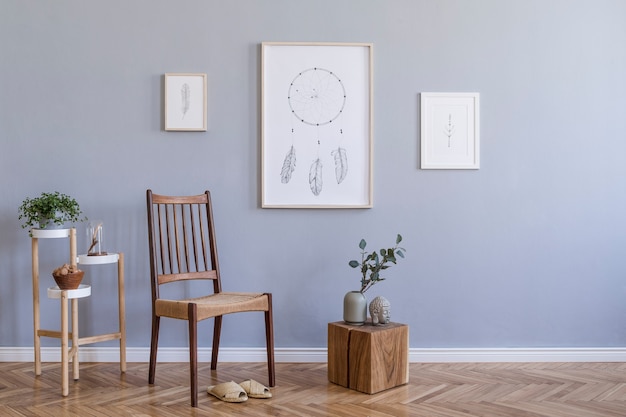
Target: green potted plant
(49, 209)
(372, 264)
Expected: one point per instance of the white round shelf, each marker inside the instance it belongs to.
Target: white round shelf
(80, 292)
(111, 258)
(49, 233)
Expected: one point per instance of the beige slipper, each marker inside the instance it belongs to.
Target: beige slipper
(255, 389)
(230, 392)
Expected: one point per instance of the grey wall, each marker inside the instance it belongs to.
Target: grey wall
(525, 252)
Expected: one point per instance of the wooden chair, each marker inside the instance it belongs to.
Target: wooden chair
(182, 247)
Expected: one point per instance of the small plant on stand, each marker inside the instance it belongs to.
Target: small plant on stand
(49, 209)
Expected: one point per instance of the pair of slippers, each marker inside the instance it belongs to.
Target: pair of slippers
(231, 392)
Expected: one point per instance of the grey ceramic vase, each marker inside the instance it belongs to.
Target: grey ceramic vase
(354, 308)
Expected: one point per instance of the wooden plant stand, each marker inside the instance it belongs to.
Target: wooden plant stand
(65, 296)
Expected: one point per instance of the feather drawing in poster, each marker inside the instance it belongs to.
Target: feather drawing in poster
(289, 165)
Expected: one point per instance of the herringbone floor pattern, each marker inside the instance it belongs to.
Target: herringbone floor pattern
(434, 390)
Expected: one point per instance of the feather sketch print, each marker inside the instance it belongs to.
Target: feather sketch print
(315, 177)
(341, 164)
(185, 99)
(289, 165)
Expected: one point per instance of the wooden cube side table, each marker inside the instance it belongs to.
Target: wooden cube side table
(368, 358)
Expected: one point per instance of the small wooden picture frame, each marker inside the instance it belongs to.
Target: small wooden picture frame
(185, 102)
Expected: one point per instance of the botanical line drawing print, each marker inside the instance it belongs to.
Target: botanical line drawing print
(185, 99)
(448, 129)
(316, 97)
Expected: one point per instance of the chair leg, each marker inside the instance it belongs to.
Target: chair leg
(269, 341)
(193, 353)
(217, 330)
(154, 342)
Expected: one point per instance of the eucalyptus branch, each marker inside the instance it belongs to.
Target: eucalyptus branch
(373, 264)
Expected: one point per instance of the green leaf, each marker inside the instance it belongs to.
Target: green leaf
(353, 264)
(362, 244)
(400, 253)
(398, 238)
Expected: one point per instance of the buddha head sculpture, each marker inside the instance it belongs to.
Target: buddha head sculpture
(380, 310)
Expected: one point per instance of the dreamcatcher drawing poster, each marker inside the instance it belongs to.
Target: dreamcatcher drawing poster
(316, 125)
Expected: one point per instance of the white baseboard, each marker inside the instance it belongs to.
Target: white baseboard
(518, 355)
(301, 355)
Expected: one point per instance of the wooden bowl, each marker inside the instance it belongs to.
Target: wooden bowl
(70, 281)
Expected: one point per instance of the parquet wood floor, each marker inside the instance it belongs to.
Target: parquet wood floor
(434, 390)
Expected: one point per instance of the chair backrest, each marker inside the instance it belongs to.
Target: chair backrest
(181, 239)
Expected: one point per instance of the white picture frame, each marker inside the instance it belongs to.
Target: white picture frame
(317, 124)
(450, 130)
(185, 98)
